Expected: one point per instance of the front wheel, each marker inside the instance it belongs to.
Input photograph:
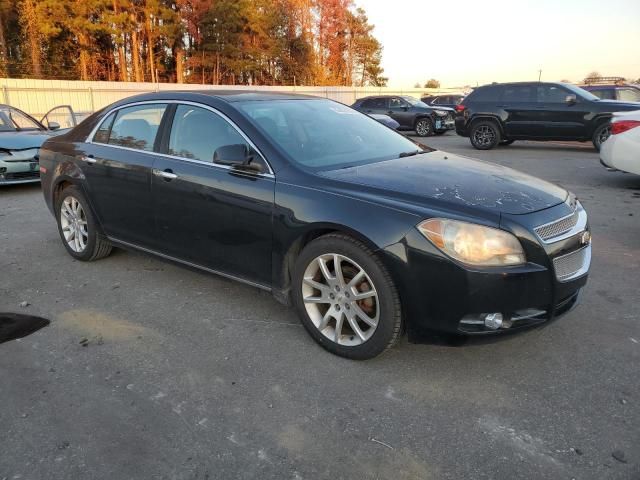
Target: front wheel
(424, 127)
(345, 297)
(484, 135)
(601, 134)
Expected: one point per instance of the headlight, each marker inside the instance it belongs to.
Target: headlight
(442, 113)
(473, 244)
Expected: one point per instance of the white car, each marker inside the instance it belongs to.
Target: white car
(621, 151)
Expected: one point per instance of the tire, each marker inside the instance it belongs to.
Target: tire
(602, 132)
(506, 142)
(78, 228)
(424, 127)
(334, 317)
(439, 132)
(484, 134)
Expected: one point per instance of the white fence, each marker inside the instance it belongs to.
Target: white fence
(37, 97)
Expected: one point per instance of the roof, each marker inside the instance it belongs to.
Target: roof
(245, 95)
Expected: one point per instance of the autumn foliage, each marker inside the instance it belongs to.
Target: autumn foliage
(247, 42)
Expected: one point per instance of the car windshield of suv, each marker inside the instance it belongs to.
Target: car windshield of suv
(326, 135)
(12, 120)
(580, 92)
(414, 102)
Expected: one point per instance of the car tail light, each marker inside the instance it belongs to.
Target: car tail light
(623, 126)
(459, 108)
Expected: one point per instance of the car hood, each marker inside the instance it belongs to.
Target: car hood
(22, 140)
(440, 179)
(614, 104)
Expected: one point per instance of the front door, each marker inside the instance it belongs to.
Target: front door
(562, 120)
(400, 111)
(117, 165)
(208, 214)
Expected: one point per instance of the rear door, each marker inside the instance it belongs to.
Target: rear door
(117, 164)
(522, 115)
(562, 120)
(209, 214)
(376, 105)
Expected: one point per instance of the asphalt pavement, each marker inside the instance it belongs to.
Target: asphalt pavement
(149, 370)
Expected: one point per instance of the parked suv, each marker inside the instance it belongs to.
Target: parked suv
(449, 101)
(498, 114)
(625, 93)
(410, 113)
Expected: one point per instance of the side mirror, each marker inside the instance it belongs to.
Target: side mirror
(53, 125)
(237, 156)
(570, 99)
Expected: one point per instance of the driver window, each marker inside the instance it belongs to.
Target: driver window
(196, 133)
(552, 94)
(396, 102)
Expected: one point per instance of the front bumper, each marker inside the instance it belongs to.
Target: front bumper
(439, 294)
(22, 167)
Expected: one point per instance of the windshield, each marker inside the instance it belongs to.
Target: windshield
(415, 102)
(580, 92)
(13, 120)
(322, 134)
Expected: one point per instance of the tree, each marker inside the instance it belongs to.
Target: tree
(591, 76)
(432, 83)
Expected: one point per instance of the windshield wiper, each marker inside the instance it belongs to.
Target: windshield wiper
(410, 154)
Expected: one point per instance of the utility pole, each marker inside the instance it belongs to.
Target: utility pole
(539, 74)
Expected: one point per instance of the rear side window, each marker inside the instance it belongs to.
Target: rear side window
(375, 103)
(102, 134)
(137, 127)
(485, 94)
(518, 94)
(604, 93)
(196, 133)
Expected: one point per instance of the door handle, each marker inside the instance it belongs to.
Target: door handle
(88, 159)
(166, 174)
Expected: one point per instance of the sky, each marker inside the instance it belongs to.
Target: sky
(467, 42)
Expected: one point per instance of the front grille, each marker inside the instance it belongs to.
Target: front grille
(557, 228)
(449, 118)
(572, 264)
(22, 175)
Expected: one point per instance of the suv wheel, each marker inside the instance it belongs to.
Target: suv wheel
(424, 127)
(78, 228)
(601, 134)
(485, 134)
(345, 297)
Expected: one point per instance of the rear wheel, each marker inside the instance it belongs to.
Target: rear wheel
(424, 127)
(601, 134)
(78, 228)
(485, 134)
(345, 297)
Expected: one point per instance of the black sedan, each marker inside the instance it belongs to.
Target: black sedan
(358, 227)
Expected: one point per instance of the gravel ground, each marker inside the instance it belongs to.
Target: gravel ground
(150, 370)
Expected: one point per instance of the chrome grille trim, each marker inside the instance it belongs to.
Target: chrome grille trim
(573, 264)
(564, 227)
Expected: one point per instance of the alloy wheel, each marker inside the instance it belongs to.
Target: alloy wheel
(603, 135)
(423, 128)
(74, 224)
(340, 299)
(484, 135)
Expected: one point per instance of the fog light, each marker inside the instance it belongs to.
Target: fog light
(493, 321)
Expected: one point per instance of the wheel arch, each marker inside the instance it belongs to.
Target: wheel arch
(484, 116)
(313, 231)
